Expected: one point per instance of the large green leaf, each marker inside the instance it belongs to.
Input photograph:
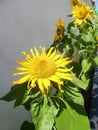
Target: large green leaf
(72, 118)
(34, 95)
(72, 93)
(26, 96)
(23, 96)
(88, 37)
(12, 94)
(85, 79)
(43, 114)
(20, 93)
(27, 126)
(79, 83)
(95, 59)
(86, 64)
(76, 68)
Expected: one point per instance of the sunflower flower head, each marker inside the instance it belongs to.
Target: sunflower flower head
(81, 13)
(43, 69)
(74, 2)
(60, 30)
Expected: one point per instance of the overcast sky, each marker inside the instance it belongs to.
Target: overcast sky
(23, 24)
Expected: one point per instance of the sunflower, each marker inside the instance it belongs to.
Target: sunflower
(74, 2)
(60, 30)
(81, 13)
(43, 69)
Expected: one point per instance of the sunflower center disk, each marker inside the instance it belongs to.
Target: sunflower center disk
(44, 68)
(82, 13)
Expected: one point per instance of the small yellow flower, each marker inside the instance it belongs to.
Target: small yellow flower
(81, 13)
(60, 29)
(96, 38)
(74, 2)
(43, 69)
(97, 41)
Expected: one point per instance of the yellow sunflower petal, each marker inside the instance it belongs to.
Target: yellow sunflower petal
(59, 86)
(36, 51)
(61, 22)
(33, 82)
(56, 57)
(62, 64)
(53, 54)
(43, 51)
(26, 55)
(20, 68)
(50, 51)
(22, 80)
(64, 69)
(54, 78)
(46, 83)
(40, 84)
(64, 75)
(19, 73)
(22, 63)
(32, 52)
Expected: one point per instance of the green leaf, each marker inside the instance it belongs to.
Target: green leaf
(34, 95)
(43, 114)
(18, 92)
(70, 25)
(73, 94)
(86, 79)
(23, 96)
(88, 37)
(79, 83)
(86, 65)
(12, 94)
(76, 68)
(72, 118)
(96, 33)
(61, 47)
(27, 105)
(27, 126)
(77, 45)
(79, 39)
(95, 59)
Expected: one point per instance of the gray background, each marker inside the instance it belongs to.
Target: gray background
(23, 24)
